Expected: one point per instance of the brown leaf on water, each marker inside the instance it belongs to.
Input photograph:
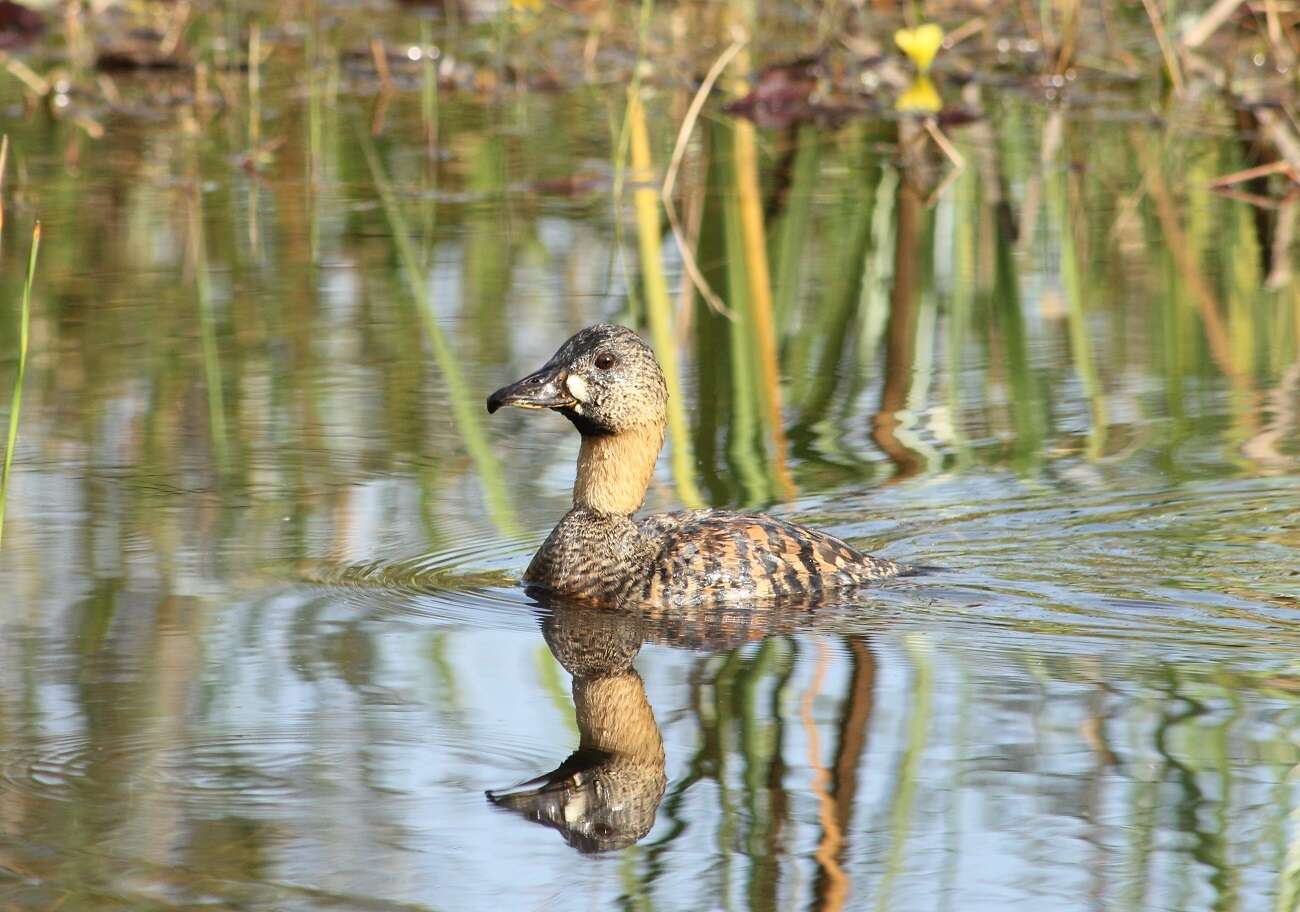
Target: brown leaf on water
(140, 49)
(580, 184)
(781, 95)
(19, 26)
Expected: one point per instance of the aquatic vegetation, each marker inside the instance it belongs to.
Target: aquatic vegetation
(646, 202)
(921, 97)
(24, 329)
(920, 44)
(264, 645)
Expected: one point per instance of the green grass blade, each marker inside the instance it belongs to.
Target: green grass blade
(208, 333)
(15, 409)
(463, 403)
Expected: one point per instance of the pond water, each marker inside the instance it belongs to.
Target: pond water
(262, 645)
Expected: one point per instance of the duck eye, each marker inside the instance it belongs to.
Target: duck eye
(605, 361)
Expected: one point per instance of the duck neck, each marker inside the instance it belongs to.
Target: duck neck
(614, 715)
(614, 469)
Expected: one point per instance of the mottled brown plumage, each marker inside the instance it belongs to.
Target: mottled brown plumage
(606, 380)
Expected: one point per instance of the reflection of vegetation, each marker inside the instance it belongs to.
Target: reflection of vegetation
(1072, 308)
(463, 404)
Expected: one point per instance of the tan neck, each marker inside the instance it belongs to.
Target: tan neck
(615, 716)
(614, 471)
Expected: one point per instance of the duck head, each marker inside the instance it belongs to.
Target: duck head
(604, 379)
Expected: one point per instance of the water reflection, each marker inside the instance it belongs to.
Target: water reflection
(261, 644)
(605, 794)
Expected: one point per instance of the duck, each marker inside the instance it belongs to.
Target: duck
(607, 382)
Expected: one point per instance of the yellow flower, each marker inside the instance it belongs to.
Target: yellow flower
(532, 6)
(921, 97)
(920, 44)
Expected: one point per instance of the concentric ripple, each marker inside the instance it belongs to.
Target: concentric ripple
(249, 769)
(474, 579)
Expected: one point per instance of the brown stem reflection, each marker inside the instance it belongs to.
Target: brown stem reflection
(833, 885)
(854, 724)
(900, 334)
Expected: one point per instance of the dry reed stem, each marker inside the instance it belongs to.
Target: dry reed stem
(1283, 237)
(754, 239)
(386, 87)
(1209, 23)
(1174, 69)
(25, 74)
(658, 310)
(670, 178)
(967, 29)
(1277, 167)
(1282, 135)
(175, 28)
(1216, 331)
(1281, 50)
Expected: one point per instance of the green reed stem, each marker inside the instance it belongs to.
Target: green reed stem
(744, 442)
(548, 671)
(791, 237)
(909, 773)
(15, 409)
(4, 158)
(461, 401)
(208, 332)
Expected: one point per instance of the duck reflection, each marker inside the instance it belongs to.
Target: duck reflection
(605, 794)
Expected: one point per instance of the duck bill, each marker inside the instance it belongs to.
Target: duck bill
(543, 389)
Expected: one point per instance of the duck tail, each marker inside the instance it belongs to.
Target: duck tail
(918, 569)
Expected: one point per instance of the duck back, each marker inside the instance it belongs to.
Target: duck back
(715, 556)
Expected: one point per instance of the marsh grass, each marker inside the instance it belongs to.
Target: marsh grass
(658, 307)
(15, 407)
(463, 404)
(212, 375)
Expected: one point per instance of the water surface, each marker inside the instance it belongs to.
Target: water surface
(262, 645)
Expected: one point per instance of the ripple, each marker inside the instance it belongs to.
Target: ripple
(1208, 564)
(477, 575)
(263, 768)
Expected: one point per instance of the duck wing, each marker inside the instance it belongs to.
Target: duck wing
(704, 556)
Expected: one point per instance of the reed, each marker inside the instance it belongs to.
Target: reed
(212, 374)
(657, 304)
(920, 655)
(745, 450)
(760, 321)
(4, 158)
(464, 405)
(15, 407)
(790, 239)
(1070, 215)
